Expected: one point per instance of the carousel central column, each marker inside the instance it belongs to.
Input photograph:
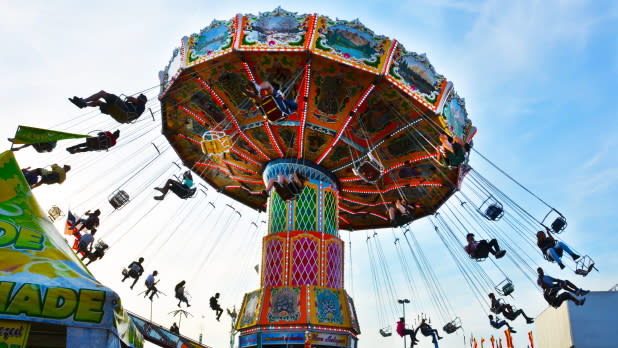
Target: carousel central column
(302, 299)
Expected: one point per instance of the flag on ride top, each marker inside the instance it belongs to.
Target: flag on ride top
(32, 135)
(500, 341)
(482, 341)
(69, 228)
(493, 341)
(531, 340)
(509, 340)
(475, 345)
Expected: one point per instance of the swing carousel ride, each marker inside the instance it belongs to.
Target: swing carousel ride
(362, 122)
(365, 134)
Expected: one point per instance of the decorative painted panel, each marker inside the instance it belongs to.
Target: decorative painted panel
(330, 212)
(284, 304)
(454, 116)
(334, 264)
(213, 41)
(278, 214)
(350, 42)
(249, 312)
(278, 30)
(306, 205)
(305, 255)
(328, 307)
(273, 262)
(414, 74)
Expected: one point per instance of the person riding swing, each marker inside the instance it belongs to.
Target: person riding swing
(134, 271)
(481, 249)
(182, 189)
(103, 141)
(552, 249)
(287, 188)
(122, 111)
(270, 101)
(507, 310)
(401, 212)
(215, 306)
(402, 331)
(179, 291)
(151, 285)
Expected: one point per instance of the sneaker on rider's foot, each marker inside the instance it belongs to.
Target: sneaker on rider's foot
(500, 254)
(561, 266)
(575, 257)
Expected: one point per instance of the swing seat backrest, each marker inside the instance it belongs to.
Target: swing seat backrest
(508, 289)
(271, 110)
(188, 194)
(494, 212)
(119, 199)
(386, 332)
(369, 169)
(559, 224)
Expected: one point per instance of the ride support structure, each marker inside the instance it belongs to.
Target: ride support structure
(302, 297)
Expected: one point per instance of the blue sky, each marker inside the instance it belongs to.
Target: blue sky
(538, 78)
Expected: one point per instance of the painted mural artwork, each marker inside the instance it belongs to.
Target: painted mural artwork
(275, 29)
(330, 98)
(315, 142)
(216, 37)
(407, 144)
(233, 84)
(328, 307)
(251, 306)
(208, 106)
(420, 171)
(454, 116)
(416, 72)
(350, 41)
(284, 304)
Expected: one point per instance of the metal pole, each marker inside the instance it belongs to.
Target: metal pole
(403, 304)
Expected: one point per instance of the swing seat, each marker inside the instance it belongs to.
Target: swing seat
(452, 326)
(494, 212)
(99, 143)
(54, 213)
(386, 332)
(215, 143)
(119, 199)
(118, 110)
(183, 192)
(559, 224)
(271, 110)
(505, 288)
(369, 170)
(491, 209)
(584, 265)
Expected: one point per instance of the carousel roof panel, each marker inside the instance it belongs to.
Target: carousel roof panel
(361, 96)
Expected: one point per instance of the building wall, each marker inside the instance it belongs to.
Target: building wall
(592, 325)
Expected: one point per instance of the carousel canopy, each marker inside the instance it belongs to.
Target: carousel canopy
(367, 107)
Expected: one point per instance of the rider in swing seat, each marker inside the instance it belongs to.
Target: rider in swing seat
(401, 212)
(135, 271)
(182, 189)
(259, 92)
(122, 111)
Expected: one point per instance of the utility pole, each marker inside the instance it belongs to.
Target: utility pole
(403, 304)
